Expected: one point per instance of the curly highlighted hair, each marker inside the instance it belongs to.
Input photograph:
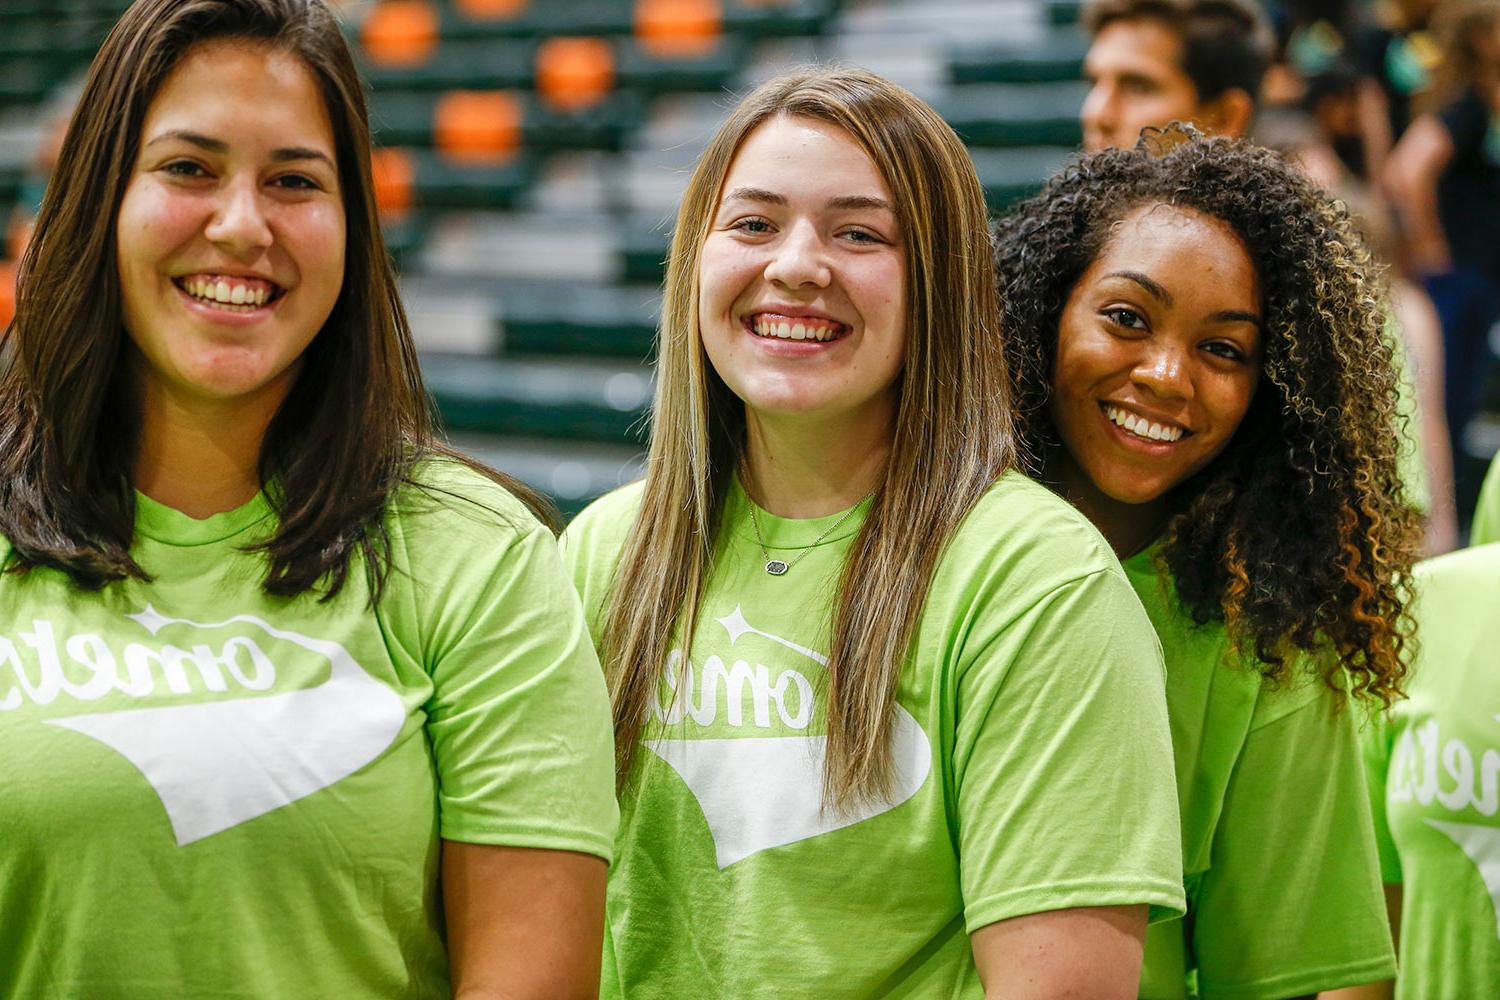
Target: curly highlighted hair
(1300, 536)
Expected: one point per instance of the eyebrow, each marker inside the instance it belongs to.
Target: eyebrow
(1156, 290)
(1160, 293)
(282, 155)
(848, 201)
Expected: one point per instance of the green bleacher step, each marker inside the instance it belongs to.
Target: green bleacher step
(1008, 114)
(1056, 59)
(578, 399)
(1008, 175)
(571, 473)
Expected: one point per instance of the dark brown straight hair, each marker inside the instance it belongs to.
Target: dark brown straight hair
(350, 429)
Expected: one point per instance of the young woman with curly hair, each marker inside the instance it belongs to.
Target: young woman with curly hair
(1197, 337)
(874, 690)
(294, 702)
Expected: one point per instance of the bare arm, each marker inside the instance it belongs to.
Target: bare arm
(523, 924)
(1383, 990)
(1089, 952)
(1374, 116)
(1422, 332)
(1411, 179)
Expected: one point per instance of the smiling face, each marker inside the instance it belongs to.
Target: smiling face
(1136, 79)
(801, 282)
(230, 235)
(1158, 357)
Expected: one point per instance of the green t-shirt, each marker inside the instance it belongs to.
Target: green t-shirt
(1279, 858)
(207, 791)
(1434, 767)
(1032, 761)
(1486, 526)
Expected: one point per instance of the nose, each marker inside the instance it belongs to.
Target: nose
(1163, 372)
(799, 259)
(239, 225)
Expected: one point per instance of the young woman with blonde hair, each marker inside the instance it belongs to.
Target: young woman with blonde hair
(889, 720)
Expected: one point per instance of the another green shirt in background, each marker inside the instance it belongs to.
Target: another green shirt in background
(1486, 526)
(1433, 769)
(1283, 890)
(1032, 760)
(210, 792)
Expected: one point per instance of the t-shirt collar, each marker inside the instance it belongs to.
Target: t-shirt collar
(166, 524)
(786, 532)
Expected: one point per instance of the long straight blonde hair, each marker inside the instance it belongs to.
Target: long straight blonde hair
(952, 434)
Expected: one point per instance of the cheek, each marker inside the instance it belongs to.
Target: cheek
(151, 225)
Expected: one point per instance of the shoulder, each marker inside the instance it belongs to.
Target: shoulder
(1457, 583)
(447, 504)
(1021, 526)
(593, 540)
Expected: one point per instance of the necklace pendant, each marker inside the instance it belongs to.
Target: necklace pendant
(776, 567)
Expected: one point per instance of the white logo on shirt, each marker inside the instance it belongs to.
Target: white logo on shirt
(757, 793)
(1413, 774)
(215, 765)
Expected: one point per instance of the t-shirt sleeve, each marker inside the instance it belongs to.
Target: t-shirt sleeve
(519, 717)
(1063, 759)
(1291, 903)
(1375, 742)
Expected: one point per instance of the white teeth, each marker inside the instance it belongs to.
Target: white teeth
(781, 330)
(1141, 427)
(223, 293)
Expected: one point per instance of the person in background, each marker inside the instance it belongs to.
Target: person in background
(1414, 325)
(1150, 62)
(1444, 179)
(1432, 768)
(889, 719)
(1186, 321)
(294, 701)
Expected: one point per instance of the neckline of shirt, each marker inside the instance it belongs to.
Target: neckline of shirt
(788, 532)
(168, 525)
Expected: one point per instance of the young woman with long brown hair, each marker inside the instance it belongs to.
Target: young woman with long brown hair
(1197, 334)
(888, 718)
(272, 660)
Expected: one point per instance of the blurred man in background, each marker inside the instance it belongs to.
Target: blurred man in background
(1152, 61)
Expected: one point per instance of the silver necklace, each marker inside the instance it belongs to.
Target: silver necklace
(779, 567)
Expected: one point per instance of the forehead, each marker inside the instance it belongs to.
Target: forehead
(242, 89)
(1145, 45)
(1182, 248)
(804, 158)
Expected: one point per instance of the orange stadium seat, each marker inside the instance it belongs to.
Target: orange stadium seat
(678, 28)
(400, 33)
(574, 73)
(393, 175)
(487, 10)
(7, 293)
(477, 126)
